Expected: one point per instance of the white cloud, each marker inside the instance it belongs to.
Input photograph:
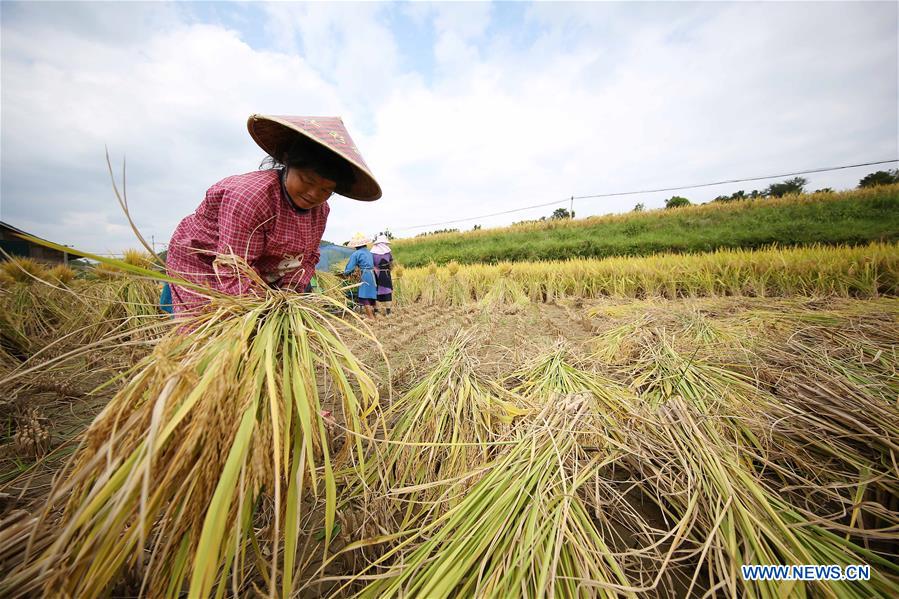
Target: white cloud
(505, 111)
(348, 44)
(176, 106)
(751, 90)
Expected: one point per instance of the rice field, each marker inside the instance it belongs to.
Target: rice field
(616, 428)
(844, 271)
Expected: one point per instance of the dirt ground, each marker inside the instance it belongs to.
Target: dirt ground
(410, 337)
(67, 401)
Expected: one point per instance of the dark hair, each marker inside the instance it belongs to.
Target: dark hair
(304, 153)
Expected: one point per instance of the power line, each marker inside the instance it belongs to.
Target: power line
(462, 220)
(808, 172)
(625, 193)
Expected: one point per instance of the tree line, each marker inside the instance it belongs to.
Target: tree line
(796, 185)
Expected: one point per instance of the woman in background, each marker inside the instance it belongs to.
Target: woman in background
(364, 261)
(383, 259)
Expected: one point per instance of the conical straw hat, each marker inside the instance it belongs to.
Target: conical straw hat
(357, 240)
(276, 134)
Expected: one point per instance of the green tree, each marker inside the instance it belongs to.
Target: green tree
(735, 196)
(676, 202)
(880, 178)
(791, 186)
(639, 207)
(561, 213)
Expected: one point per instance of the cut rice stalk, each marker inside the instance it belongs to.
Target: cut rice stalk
(721, 438)
(505, 294)
(520, 531)
(556, 372)
(740, 519)
(441, 430)
(170, 476)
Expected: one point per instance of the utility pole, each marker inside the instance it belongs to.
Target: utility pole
(153, 243)
(571, 207)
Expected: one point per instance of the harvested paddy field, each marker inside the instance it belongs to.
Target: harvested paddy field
(571, 446)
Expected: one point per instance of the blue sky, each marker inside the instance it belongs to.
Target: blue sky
(460, 109)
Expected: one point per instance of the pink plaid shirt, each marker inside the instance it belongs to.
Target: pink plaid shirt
(247, 215)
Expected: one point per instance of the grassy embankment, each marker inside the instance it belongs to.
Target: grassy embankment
(850, 217)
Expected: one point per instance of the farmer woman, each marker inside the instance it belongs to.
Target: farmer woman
(364, 261)
(383, 259)
(274, 218)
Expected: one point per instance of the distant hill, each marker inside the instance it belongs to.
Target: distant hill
(332, 254)
(850, 217)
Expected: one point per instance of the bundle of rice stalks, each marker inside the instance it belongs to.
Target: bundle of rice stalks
(403, 294)
(61, 275)
(506, 295)
(662, 371)
(745, 415)
(557, 371)
(542, 281)
(350, 282)
(480, 278)
(732, 516)
(354, 278)
(195, 471)
(430, 293)
(521, 530)
(104, 270)
(688, 323)
(39, 313)
(23, 270)
(331, 286)
(841, 383)
(124, 303)
(620, 343)
(337, 268)
(33, 311)
(697, 329)
(720, 461)
(457, 290)
(440, 431)
(831, 375)
(611, 493)
(139, 258)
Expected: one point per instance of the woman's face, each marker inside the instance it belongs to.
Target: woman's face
(306, 188)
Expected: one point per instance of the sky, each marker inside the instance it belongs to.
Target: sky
(459, 109)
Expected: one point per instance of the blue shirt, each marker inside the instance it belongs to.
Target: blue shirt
(363, 259)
